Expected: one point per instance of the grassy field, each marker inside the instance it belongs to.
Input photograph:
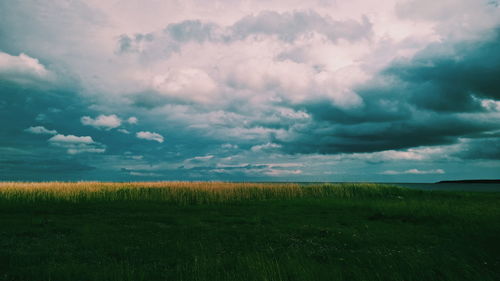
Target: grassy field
(230, 231)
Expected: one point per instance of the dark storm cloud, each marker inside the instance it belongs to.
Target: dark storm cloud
(419, 104)
(327, 138)
(377, 108)
(447, 78)
(481, 149)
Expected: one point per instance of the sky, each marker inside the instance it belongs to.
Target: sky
(242, 90)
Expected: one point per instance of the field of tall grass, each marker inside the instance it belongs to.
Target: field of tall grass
(245, 231)
(185, 192)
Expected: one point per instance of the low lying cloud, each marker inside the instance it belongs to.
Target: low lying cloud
(486, 148)
(106, 122)
(413, 172)
(265, 147)
(275, 172)
(40, 130)
(150, 136)
(76, 144)
(71, 139)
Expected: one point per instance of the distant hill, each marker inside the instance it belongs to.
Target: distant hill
(471, 181)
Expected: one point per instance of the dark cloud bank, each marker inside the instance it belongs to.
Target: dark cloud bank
(432, 99)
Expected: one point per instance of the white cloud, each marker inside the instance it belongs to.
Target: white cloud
(132, 120)
(201, 158)
(491, 105)
(123, 131)
(23, 69)
(283, 165)
(79, 150)
(40, 130)
(197, 161)
(106, 122)
(150, 136)
(189, 84)
(76, 144)
(71, 139)
(288, 79)
(275, 172)
(389, 155)
(265, 147)
(229, 146)
(130, 155)
(141, 174)
(413, 172)
(453, 18)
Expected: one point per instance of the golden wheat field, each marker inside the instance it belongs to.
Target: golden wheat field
(182, 192)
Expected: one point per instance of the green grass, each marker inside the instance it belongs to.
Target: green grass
(221, 231)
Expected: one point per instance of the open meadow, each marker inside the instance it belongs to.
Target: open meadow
(245, 231)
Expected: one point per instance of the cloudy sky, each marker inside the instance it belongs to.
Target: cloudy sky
(242, 90)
